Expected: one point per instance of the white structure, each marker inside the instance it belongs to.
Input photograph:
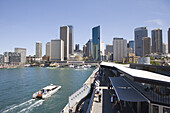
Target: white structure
(38, 53)
(64, 35)
(102, 48)
(48, 49)
(22, 51)
(57, 50)
(165, 48)
(119, 49)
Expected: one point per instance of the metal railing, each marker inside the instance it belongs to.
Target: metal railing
(91, 102)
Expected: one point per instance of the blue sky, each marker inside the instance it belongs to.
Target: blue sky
(23, 22)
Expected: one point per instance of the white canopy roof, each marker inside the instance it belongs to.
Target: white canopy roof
(138, 73)
(49, 87)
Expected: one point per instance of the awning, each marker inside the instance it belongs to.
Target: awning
(125, 91)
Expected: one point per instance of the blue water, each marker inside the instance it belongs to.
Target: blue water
(18, 85)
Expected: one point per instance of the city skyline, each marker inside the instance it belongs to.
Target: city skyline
(27, 25)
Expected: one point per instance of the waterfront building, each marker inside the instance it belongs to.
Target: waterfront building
(38, 53)
(139, 34)
(109, 49)
(96, 42)
(102, 52)
(57, 50)
(146, 46)
(119, 49)
(71, 39)
(1, 59)
(169, 40)
(22, 51)
(84, 50)
(64, 35)
(132, 45)
(165, 48)
(12, 58)
(77, 47)
(157, 41)
(48, 49)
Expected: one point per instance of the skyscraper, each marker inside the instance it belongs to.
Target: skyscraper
(165, 48)
(57, 50)
(64, 35)
(89, 48)
(132, 45)
(48, 49)
(109, 49)
(139, 34)
(146, 46)
(22, 51)
(71, 39)
(119, 49)
(77, 47)
(157, 41)
(96, 42)
(169, 40)
(38, 53)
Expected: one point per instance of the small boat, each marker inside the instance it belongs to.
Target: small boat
(80, 68)
(71, 66)
(46, 91)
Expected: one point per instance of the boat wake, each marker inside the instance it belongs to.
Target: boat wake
(24, 107)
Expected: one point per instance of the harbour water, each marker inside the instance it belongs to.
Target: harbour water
(18, 85)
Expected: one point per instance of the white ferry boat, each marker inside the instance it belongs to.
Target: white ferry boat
(80, 68)
(46, 91)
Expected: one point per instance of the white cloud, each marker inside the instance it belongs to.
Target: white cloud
(155, 21)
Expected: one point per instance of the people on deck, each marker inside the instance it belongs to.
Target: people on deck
(100, 95)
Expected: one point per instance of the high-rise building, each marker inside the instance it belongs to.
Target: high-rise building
(71, 39)
(96, 42)
(146, 46)
(102, 48)
(12, 58)
(77, 47)
(139, 34)
(157, 41)
(119, 49)
(48, 49)
(84, 50)
(1, 59)
(38, 53)
(165, 48)
(169, 40)
(22, 51)
(89, 48)
(109, 49)
(132, 45)
(57, 50)
(64, 35)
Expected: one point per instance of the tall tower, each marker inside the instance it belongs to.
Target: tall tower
(96, 42)
(169, 40)
(157, 41)
(64, 35)
(139, 34)
(146, 46)
(71, 39)
(38, 50)
(119, 49)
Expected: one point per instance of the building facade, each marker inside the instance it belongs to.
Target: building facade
(1, 59)
(139, 34)
(146, 46)
(77, 47)
(157, 41)
(71, 39)
(165, 48)
(169, 40)
(96, 42)
(89, 45)
(109, 49)
(38, 53)
(48, 49)
(22, 51)
(119, 49)
(12, 58)
(132, 45)
(64, 35)
(57, 50)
